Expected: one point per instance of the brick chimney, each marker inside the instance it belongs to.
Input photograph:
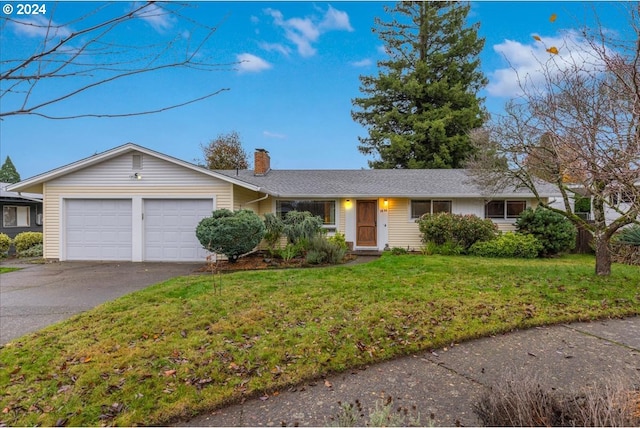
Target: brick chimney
(261, 162)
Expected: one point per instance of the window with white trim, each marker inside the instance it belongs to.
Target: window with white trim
(325, 209)
(14, 216)
(504, 209)
(427, 206)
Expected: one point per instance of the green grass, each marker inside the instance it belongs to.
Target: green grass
(8, 269)
(179, 348)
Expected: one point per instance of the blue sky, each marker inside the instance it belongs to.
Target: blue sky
(289, 71)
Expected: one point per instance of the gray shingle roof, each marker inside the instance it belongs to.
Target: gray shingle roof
(429, 183)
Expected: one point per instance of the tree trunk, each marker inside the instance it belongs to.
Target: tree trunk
(603, 255)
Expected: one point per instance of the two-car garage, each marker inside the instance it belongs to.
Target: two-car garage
(133, 229)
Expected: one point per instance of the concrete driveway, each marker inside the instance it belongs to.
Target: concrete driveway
(39, 295)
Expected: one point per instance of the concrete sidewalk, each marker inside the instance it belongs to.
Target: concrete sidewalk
(448, 382)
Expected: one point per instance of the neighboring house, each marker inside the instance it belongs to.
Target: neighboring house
(133, 203)
(21, 212)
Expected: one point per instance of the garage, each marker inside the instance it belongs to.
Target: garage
(98, 229)
(170, 229)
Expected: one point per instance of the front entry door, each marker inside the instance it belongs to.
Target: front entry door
(366, 223)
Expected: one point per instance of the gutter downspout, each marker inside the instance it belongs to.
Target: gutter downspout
(256, 200)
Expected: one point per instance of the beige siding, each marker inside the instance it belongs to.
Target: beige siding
(403, 231)
(242, 197)
(148, 187)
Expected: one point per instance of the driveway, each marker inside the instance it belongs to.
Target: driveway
(39, 295)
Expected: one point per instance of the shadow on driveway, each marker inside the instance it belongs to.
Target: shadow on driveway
(39, 295)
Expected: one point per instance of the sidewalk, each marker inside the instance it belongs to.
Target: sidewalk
(448, 382)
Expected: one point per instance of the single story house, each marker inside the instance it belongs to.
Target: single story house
(133, 203)
(21, 212)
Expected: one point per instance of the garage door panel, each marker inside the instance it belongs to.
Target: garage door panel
(170, 228)
(98, 229)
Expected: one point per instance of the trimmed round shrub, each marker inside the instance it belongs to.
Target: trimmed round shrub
(25, 240)
(554, 231)
(5, 244)
(230, 233)
(463, 230)
(513, 245)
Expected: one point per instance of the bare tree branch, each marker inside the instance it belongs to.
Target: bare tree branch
(85, 53)
(578, 128)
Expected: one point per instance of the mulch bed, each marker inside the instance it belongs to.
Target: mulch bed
(260, 261)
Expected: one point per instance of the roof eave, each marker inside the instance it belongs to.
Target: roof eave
(117, 151)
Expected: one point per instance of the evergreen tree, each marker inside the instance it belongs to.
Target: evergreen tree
(424, 100)
(8, 173)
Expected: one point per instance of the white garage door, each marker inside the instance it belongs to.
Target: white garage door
(170, 229)
(98, 229)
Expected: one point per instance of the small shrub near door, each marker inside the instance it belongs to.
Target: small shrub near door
(25, 240)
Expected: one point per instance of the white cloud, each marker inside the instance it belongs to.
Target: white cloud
(251, 64)
(270, 134)
(303, 32)
(335, 20)
(160, 19)
(40, 26)
(275, 47)
(362, 63)
(527, 60)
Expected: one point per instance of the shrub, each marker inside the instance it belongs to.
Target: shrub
(554, 231)
(321, 250)
(301, 226)
(35, 251)
(625, 246)
(339, 239)
(25, 240)
(629, 235)
(520, 400)
(398, 251)
(458, 229)
(509, 244)
(5, 244)
(230, 233)
(273, 231)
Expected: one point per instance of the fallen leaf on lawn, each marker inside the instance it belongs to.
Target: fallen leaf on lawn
(169, 372)
(86, 359)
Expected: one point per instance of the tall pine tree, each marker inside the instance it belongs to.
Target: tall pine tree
(424, 100)
(8, 173)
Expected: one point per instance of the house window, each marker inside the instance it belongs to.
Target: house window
(326, 210)
(421, 207)
(15, 216)
(504, 209)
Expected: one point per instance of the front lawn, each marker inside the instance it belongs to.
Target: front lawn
(181, 347)
(8, 269)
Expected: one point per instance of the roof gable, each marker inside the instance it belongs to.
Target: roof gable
(114, 153)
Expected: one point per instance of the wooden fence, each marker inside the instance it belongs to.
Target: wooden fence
(583, 242)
